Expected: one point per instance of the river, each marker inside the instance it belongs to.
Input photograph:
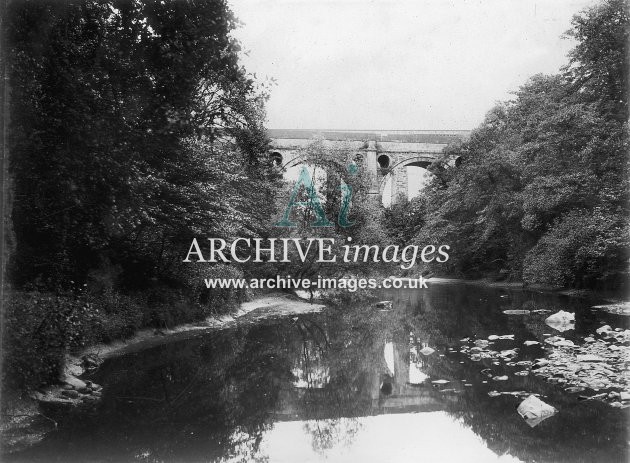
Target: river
(359, 383)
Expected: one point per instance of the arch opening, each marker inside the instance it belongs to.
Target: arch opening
(418, 178)
(276, 158)
(415, 177)
(383, 161)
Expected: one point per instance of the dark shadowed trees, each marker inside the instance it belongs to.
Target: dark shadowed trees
(133, 128)
(542, 189)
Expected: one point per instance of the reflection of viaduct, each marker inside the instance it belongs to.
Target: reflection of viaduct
(373, 396)
(385, 153)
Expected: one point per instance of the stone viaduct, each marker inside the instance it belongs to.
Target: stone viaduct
(384, 153)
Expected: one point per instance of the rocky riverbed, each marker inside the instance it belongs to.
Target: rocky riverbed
(596, 366)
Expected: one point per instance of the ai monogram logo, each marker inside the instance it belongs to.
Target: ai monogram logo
(305, 180)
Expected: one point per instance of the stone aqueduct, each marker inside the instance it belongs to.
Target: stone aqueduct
(384, 152)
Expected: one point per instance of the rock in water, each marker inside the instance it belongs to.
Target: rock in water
(603, 330)
(564, 343)
(561, 317)
(440, 381)
(589, 358)
(76, 383)
(534, 411)
(426, 350)
(561, 321)
(621, 308)
(482, 343)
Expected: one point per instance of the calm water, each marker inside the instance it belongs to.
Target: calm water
(348, 384)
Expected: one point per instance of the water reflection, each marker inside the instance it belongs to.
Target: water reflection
(351, 384)
(400, 438)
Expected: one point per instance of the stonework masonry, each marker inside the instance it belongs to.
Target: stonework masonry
(384, 153)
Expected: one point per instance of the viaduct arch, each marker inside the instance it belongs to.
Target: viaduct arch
(383, 153)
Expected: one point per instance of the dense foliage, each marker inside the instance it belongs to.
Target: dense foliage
(133, 128)
(118, 111)
(541, 189)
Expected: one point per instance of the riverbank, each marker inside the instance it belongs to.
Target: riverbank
(269, 305)
(615, 298)
(25, 418)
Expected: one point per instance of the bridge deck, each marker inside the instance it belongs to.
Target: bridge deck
(400, 136)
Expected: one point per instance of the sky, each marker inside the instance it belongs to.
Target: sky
(398, 64)
(395, 437)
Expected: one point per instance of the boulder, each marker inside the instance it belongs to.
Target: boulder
(564, 343)
(561, 321)
(603, 329)
(560, 317)
(73, 381)
(534, 411)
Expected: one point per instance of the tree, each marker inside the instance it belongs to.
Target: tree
(541, 192)
(335, 172)
(132, 126)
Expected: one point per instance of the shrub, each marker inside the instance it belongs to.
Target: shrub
(582, 249)
(114, 316)
(39, 328)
